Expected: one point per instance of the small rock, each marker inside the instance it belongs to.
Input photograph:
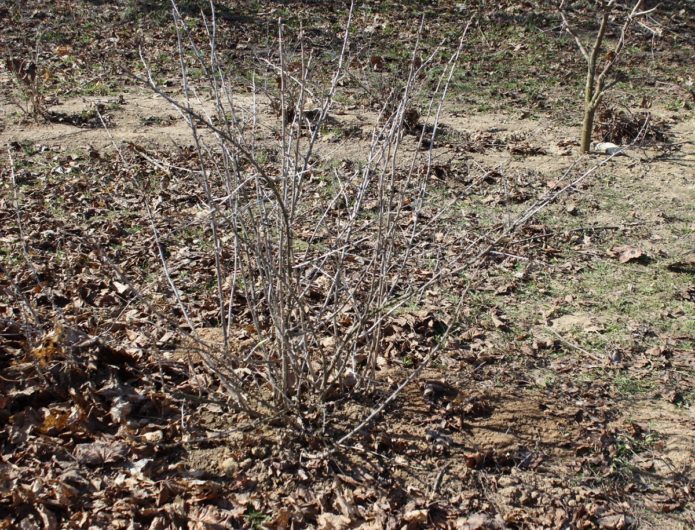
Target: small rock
(608, 148)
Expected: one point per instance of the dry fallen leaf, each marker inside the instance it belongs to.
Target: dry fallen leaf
(332, 521)
(209, 517)
(99, 453)
(627, 253)
(497, 321)
(416, 517)
(120, 287)
(478, 521)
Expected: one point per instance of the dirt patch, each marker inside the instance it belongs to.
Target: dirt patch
(138, 117)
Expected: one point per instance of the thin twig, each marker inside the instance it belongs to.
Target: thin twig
(574, 345)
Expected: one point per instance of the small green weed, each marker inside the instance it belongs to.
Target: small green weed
(628, 385)
(256, 518)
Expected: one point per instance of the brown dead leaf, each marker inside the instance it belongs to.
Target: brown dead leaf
(416, 517)
(99, 453)
(497, 321)
(210, 518)
(478, 521)
(377, 63)
(333, 521)
(627, 253)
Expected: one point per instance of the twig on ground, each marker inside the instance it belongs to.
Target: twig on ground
(438, 479)
(574, 345)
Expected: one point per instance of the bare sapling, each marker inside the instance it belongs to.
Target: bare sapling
(27, 81)
(600, 66)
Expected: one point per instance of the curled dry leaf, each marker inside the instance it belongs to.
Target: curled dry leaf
(498, 321)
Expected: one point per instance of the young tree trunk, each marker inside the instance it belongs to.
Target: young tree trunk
(595, 77)
(587, 128)
(594, 87)
(590, 91)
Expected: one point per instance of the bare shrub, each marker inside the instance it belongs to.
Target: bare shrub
(310, 259)
(27, 82)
